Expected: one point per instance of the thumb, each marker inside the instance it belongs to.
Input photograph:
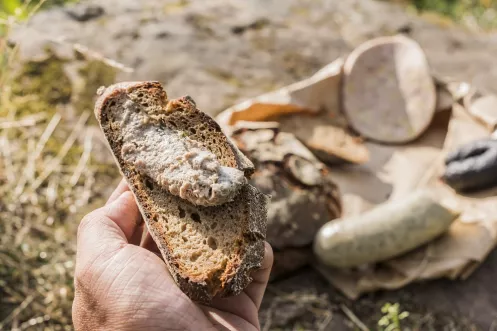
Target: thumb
(104, 231)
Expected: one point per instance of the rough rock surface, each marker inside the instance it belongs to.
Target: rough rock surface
(223, 51)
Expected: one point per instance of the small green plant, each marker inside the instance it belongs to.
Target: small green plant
(480, 14)
(390, 321)
(12, 7)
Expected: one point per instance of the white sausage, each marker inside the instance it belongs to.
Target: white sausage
(382, 233)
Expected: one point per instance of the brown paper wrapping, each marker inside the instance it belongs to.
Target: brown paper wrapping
(393, 171)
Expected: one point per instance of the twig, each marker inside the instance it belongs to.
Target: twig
(46, 135)
(25, 5)
(37, 152)
(84, 158)
(353, 318)
(11, 292)
(4, 49)
(28, 170)
(34, 10)
(8, 260)
(62, 153)
(326, 321)
(91, 54)
(6, 150)
(97, 56)
(21, 234)
(27, 121)
(32, 322)
(87, 193)
(7, 159)
(51, 192)
(24, 304)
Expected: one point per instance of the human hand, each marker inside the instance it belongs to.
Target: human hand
(121, 282)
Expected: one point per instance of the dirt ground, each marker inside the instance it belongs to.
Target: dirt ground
(434, 305)
(223, 51)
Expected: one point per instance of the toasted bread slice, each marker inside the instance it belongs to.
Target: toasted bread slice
(189, 182)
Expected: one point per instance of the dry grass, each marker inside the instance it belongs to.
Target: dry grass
(48, 180)
(38, 210)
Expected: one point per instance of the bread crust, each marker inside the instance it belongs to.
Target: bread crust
(236, 275)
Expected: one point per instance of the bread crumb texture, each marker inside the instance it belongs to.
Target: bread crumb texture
(177, 163)
(190, 185)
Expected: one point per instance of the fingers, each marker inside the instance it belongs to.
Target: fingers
(261, 277)
(120, 189)
(125, 213)
(247, 303)
(108, 228)
(149, 244)
(99, 235)
(138, 234)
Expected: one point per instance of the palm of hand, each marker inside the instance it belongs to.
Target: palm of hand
(122, 285)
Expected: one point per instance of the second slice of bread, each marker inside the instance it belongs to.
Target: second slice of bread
(209, 250)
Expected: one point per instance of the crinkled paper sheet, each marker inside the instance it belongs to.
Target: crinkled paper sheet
(394, 171)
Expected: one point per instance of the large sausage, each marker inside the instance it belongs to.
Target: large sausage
(382, 233)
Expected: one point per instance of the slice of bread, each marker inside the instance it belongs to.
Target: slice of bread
(210, 243)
